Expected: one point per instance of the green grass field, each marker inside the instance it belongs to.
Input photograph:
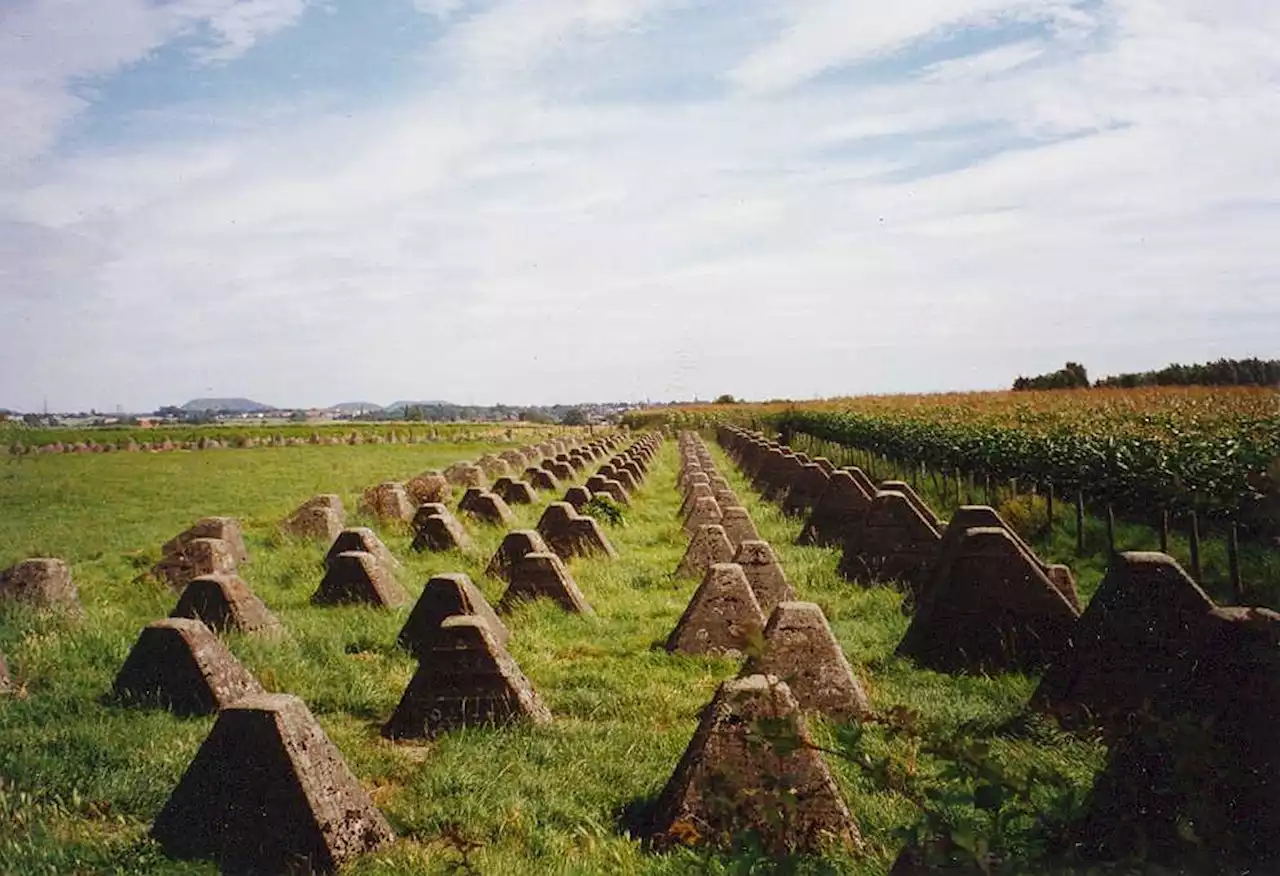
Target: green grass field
(81, 779)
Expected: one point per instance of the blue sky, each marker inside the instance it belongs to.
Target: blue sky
(519, 201)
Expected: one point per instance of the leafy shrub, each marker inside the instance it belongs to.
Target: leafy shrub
(1027, 513)
(605, 509)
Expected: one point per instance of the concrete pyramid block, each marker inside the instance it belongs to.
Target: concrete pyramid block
(180, 665)
(723, 617)
(44, 582)
(696, 492)
(542, 575)
(430, 486)
(577, 497)
(800, 649)
(518, 492)
(268, 792)
(738, 525)
(839, 510)
(610, 487)
(199, 557)
(362, 538)
(1202, 753)
(514, 545)
(709, 545)
(804, 490)
(464, 474)
(443, 597)
(588, 539)
(465, 678)
(542, 480)
(992, 608)
(1143, 625)
(752, 768)
(489, 508)
(355, 578)
(691, 475)
(704, 510)
(555, 527)
(864, 481)
(314, 521)
(627, 478)
(978, 516)
(225, 602)
(764, 573)
(725, 497)
(225, 528)
(493, 467)
(468, 498)
(570, 534)
(429, 509)
(912, 496)
(895, 542)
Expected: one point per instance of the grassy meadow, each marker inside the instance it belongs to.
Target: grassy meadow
(81, 779)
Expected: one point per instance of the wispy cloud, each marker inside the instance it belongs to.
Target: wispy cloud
(573, 201)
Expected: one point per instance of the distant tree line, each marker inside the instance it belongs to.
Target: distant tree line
(443, 413)
(1070, 376)
(1224, 372)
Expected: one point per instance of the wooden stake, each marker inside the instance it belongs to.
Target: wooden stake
(1233, 563)
(1079, 522)
(1195, 547)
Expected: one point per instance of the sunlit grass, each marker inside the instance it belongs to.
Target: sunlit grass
(83, 778)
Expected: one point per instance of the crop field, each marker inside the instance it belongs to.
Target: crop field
(82, 777)
(18, 439)
(1212, 449)
(1214, 452)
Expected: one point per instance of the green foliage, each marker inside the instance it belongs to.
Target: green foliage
(574, 417)
(239, 434)
(1070, 376)
(1223, 372)
(1027, 513)
(725, 399)
(1211, 471)
(606, 510)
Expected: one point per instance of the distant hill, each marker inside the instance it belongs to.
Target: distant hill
(401, 405)
(355, 407)
(235, 405)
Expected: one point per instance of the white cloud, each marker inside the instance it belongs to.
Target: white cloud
(823, 34)
(985, 65)
(779, 241)
(238, 26)
(441, 9)
(512, 37)
(52, 50)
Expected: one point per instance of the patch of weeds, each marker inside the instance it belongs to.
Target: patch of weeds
(605, 509)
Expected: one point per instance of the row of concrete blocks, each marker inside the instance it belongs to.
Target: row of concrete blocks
(745, 607)
(397, 503)
(1149, 653)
